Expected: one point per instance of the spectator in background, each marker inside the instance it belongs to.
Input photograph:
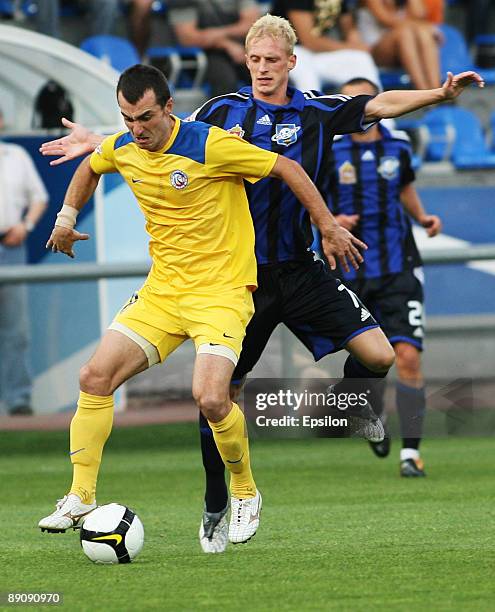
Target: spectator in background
(23, 199)
(330, 48)
(435, 10)
(140, 24)
(219, 27)
(399, 35)
(102, 16)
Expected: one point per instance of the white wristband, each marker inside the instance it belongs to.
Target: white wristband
(67, 217)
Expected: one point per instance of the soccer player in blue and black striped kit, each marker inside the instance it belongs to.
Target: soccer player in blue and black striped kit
(372, 194)
(293, 288)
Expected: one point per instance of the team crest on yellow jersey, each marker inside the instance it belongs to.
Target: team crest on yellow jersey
(347, 174)
(236, 130)
(179, 179)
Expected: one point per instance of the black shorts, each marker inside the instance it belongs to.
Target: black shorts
(311, 302)
(396, 301)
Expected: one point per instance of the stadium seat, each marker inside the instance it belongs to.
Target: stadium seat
(492, 132)
(119, 52)
(26, 8)
(187, 65)
(454, 133)
(394, 79)
(455, 56)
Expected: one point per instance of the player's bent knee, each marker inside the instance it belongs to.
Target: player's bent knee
(408, 360)
(382, 359)
(94, 382)
(214, 406)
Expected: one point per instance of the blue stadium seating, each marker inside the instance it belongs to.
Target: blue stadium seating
(492, 130)
(119, 52)
(456, 134)
(27, 8)
(455, 56)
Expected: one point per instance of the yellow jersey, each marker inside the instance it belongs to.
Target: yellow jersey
(193, 199)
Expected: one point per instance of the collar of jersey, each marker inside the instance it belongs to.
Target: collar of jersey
(171, 138)
(296, 102)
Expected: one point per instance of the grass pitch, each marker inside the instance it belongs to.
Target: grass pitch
(340, 530)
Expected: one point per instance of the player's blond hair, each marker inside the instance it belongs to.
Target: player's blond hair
(276, 27)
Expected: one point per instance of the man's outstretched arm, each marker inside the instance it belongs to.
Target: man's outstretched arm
(79, 142)
(397, 103)
(337, 242)
(81, 188)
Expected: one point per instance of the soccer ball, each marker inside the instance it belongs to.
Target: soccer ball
(112, 534)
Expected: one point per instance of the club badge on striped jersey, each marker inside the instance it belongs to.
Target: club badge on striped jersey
(286, 133)
(179, 179)
(236, 130)
(347, 174)
(389, 167)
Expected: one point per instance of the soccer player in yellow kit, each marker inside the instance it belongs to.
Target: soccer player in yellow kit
(188, 181)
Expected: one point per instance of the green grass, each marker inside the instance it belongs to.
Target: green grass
(340, 530)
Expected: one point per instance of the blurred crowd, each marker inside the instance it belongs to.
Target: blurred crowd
(338, 39)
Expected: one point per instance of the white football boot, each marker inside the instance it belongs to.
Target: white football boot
(69, 513)
(213, 531)
(244, 518)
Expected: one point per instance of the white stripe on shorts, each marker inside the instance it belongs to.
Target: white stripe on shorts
(218, 349)
(149, 349)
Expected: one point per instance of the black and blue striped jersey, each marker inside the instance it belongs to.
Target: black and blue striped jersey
(366, 178)
(302, 130)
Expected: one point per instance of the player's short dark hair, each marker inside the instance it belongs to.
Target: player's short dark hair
(137, 79)
(362, 81)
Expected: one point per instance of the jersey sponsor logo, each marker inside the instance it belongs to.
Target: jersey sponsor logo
(367, 156)
(286, 133)
(365, 314)
(136, 180)
(179, 179)
(389, 167)
(265, 120)
(98, 150)
(236, 130)
(347, 174)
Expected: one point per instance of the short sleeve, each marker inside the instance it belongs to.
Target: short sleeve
(407, 171)
(102, 160)
(229, 155)
(348, 116)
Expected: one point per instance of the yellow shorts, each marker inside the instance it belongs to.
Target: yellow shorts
(216, 319)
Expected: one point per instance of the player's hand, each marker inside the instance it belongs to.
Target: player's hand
(455, 84)
(62, 240)
(15, 235)
(347, 221)
(432, 225)
(75, 144)
(339, 244)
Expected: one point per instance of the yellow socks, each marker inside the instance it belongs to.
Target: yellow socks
(89, 430)
(231, 438)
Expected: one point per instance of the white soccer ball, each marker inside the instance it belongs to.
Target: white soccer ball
(112, 534)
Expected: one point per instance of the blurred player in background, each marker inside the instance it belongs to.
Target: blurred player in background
(23, 200)
(292, 288)
(372, 194)
(188, 180)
